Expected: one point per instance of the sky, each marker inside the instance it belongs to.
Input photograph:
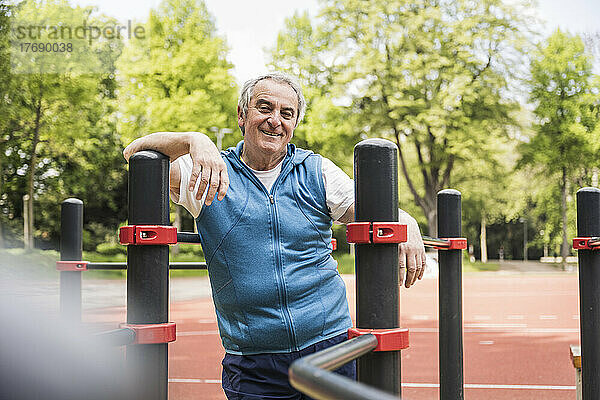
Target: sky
(250, 28)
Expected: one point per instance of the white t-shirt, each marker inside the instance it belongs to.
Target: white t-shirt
(339, 187)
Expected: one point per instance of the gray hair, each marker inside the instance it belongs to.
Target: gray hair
(248, 89)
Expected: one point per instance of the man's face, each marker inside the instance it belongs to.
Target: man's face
(271, 117)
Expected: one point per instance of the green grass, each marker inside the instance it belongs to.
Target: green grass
(346, 264)
(478, 266)
(20, 263)
(43, 264)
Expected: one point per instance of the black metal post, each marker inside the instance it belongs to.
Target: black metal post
(450, 298)
(148, 271)
(71, 237)
(377, 275)
(588, 225)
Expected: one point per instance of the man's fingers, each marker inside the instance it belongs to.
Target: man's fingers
(411, 271)
(224, 185)
(423, 265)
(402, 266)
(212, 187)
(204, 179)
(196, 171)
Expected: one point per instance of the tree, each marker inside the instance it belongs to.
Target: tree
(178, 77)
(431, 75)
(328, 129)
(491, 191)
(566, 111)
(57, 123)
(6, 106)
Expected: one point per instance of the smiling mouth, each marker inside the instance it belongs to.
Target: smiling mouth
(271, 134)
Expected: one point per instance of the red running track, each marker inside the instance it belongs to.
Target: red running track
(517, 332)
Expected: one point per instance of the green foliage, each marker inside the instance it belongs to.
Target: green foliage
(111, 249)
(58, 138)
(566, 116)
(564, 149)
(327, 128)
(430, 75)
(178, 78)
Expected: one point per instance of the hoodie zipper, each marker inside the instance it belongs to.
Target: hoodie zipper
(279, 264)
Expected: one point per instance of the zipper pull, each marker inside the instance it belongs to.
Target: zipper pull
(272, 199)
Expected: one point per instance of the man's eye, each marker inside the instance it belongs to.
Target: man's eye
(264, 109)
(287, 115)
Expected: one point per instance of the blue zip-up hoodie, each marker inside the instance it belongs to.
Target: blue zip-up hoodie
(275, 286)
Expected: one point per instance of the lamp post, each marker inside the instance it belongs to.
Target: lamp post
(220, 133)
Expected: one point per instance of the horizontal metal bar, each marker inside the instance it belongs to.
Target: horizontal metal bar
(310, 374)
(123, 265)
(435, 242)
(107, 265)
(116, 337)
(187, 265)
(188, 237)
(594, 242)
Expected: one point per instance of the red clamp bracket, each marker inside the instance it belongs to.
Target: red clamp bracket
(454, 244)
(71, 265)
(152, 333)
(586, 243)
(334, 243)
(376, 232)
(393, 339)
(147, 234)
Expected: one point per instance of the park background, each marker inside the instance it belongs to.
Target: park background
(486, 97)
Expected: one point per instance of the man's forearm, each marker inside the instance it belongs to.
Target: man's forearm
(171, 144)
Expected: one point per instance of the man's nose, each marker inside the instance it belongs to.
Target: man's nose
(274, 119)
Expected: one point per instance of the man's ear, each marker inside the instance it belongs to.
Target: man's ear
(241, 120)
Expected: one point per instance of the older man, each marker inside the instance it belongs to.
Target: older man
(267, 241)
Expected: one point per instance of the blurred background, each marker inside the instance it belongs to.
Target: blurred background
(498, 99)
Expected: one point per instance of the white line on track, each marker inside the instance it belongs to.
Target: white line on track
(515, 317)
(482, 317)
(548, 317)
(420, 317)
(189, 380)
(492, 386)
(502, 329)
(494, 326)
(505, 295)
(418, 385)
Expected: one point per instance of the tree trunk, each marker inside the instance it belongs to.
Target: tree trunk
(564, 249)
(431, 221)
(483, 239)
(427, 203)
(26, 234)
(32, 164)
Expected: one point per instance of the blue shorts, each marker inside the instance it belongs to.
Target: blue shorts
(265, 376)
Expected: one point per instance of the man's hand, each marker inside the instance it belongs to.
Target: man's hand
(209, 168)
(208, 165)
(411, 254)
